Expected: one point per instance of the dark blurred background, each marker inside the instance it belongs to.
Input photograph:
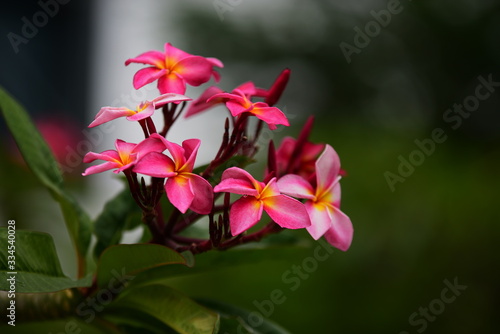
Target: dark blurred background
(400, 77)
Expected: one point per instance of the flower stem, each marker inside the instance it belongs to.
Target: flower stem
(229, 148)
(241, 239)
(172, 221)
(134, 188)
(144, 127)
(151, 220)
(151, 125)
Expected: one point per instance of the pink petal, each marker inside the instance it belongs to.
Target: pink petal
(248, 88)
(215, 62)
(171, 83)
(180, 192)
(229, 96)
(100, 168)
(190, 147)
(209, 92)
(284, 153)
(216, 76)
(124, 167)
(270, 115)
(237, 108)
(321, 219)
(327, 168)
(156, 136)
(336, 193)
(278, 87)
(155, 164)
(245, 213)
(143, 114)
(286, 148)
(173, 55)
(107, 114)
(203, 195)
(286, 212)
(341, 233)
(260, 92)
(155, 58)
(331, 195)
(155, 143)
(270, 190)
(109, 155)
(147, 75)
(123, 148)
(239, 181)
(201, 104)
(296, 186)
(195, 70)
(105, 110)
(311, 151)
(161, 100)
(236, 186)
(178, 154)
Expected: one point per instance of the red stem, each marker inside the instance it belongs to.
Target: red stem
(144, 127)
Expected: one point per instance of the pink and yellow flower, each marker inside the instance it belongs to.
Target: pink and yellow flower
(205, 101)
(258, 197)
(238, 103)
(173, 69)
(143, 110)
(124, 157)
(322, 200)
(184, 189)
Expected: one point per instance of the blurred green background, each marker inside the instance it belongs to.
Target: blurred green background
(440, 224)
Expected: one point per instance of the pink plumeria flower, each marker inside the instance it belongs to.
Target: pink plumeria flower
(124, 157)
(143, 110)
(257, 197)
(238, 103)
(248, 89)
(323, 200)
(184, 189)
(174, 69)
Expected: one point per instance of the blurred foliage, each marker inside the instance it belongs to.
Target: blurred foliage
(439, 224)
(427, 57)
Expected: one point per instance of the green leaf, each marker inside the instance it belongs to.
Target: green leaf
(216, 260)
(78, 224)
(237, 320)
(168, 306)
(36, 263)
(33, 148)
(114, 220)
(41, 161)
(129, 260)
(146, 235)
(131, 321)
(67, 325)
(286, 238)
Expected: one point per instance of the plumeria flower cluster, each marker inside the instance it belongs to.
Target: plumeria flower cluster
(299, 189)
